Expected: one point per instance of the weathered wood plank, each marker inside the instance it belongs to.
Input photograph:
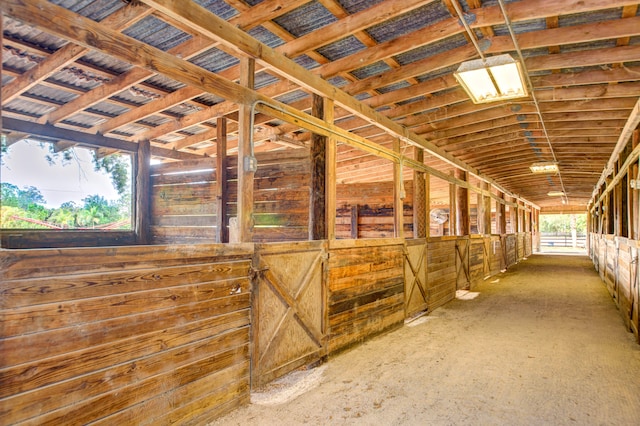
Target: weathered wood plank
(32, 375)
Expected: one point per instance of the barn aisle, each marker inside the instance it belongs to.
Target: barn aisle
(539, 344)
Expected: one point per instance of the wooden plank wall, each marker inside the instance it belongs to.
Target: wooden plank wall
(497, 254)
(528, 244)
(374, 207)
(124, 335)
(282, 187)
(441, 270)
(183, 205)
(520, 245)
(477, 268)
(366, 289)
(616, 259)
(183, 202)
(510, 242)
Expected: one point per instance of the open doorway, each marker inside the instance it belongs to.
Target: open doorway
(563, 234)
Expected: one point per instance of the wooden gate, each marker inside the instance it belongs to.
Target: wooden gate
(634, 285)
(289, 308)
(415, 277)
(463, 279)
(486, 261)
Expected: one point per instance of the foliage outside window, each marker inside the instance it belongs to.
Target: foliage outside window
(75, 188)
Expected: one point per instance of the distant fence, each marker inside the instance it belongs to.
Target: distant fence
(561, 240)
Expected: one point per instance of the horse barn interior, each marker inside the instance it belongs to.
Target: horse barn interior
(306, 174)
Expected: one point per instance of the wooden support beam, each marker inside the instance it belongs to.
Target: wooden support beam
(420, 205)
(97, 36)
(56, 133)
(214, 27)
(331, 167)
(453, 209)
(222, 193)
(634, 200)
(143, 193)
(463, 224)
(398, 195)
(501, 215)
(318, 152)
(427, 203)
(246, 160)
(123, 18)
(484, 209)
(354, 222)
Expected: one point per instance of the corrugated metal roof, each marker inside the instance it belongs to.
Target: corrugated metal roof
(409, 22)
(214, 60)
(92, 9)
(341, 48)
(265, 36)
(305, 19)
(292, 97)
(219, 7)
(13, 29)
(355, 6)
(157, 33)
(25, 107)
(56, 96)
(431, 49)
(591, 17)
(24, 47)
(370, 70)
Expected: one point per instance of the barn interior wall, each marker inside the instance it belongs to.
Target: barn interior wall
(613, 226)
(123, 333)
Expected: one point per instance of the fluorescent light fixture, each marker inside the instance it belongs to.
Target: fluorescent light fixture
(544, 168)
(491, 79)
(555, 194)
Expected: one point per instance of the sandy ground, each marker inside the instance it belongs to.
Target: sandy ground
(541, 344)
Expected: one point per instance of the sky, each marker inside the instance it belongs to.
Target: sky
(25, 165)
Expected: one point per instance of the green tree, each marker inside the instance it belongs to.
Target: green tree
(90, 216)
(65, 216)
(118, 166)
(561, 223)
(9, 194)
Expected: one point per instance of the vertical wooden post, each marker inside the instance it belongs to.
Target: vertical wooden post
(222, 230)
(513, 216)
(427, 203)
(398, 196)
(634, 200)
(420, 209)
(480, 207)
(487, 208)
(463, 224)
(609, 208)
(331, 164)
(245, 157)
(143, 193)
(354, 222)
(317, 203)
(537, 229)
(501, 215)
(484, 209)
(453, 210)
(618, 210)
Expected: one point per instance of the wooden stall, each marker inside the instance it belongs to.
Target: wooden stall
(616, 259)
(289, 308)
(366, 210)
(124, 335)
(365, 289)
(185, 199)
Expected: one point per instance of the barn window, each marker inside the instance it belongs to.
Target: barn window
(57, 187)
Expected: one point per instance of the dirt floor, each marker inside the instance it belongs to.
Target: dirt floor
(541, 344)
